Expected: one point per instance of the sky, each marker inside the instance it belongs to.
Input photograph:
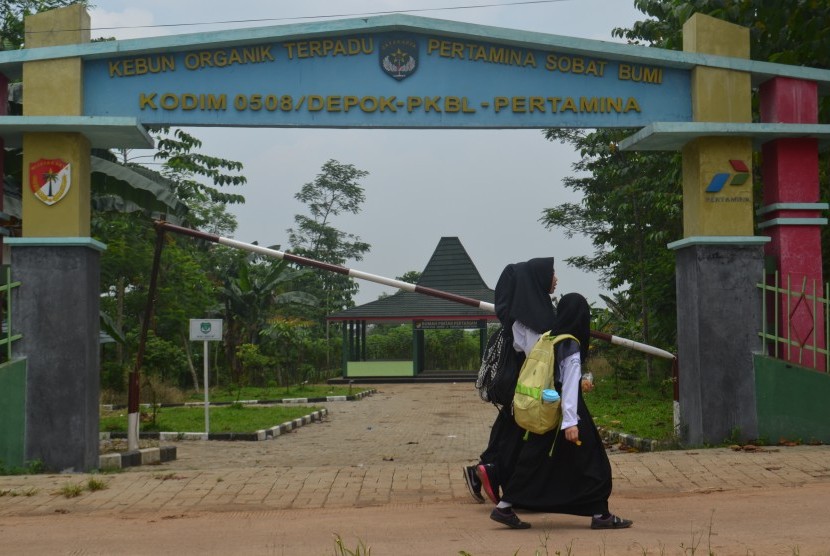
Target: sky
(486, 187)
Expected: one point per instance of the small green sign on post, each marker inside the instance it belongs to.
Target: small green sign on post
(206, 330)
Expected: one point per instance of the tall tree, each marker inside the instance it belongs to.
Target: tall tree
(632, 201)
(126, 197)
(335, 190)
(794, 32)
(631, 208)
(255, 291)
(182, 163)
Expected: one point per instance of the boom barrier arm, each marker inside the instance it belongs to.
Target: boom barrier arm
(399, 284)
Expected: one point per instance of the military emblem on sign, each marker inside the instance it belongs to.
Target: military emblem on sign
(398, 57)
(50, 180)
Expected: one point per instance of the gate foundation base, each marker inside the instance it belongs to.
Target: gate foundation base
(720, 305)
(57, 312)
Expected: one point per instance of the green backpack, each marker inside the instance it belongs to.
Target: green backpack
(537, 374)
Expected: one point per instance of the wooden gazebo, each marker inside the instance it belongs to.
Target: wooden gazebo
(450, 269)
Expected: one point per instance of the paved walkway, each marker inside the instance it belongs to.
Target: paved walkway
(397, 455)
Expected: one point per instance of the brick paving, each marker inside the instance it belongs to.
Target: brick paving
(401, 447)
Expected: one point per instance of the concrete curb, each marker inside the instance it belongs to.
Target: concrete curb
(134, 458)
(262, 434)
(630, 441)
(322, 399)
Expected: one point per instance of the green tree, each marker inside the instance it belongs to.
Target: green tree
(632, 204)
(451, 349)
(410, 276)
(255, 291)
(254, 365)
(631, 208)
(126, 196)
(335, 190)
(296, 351)
(794, 32)
(123, 265)
(389, 341)
(185, 289)
(182, 163)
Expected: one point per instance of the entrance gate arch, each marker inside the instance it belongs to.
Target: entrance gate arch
(408, 72)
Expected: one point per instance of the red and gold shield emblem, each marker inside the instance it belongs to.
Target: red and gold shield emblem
(50, 179)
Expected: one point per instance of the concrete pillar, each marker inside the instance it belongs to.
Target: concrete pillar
(718, 260)
(55, 88)
(719, 304)
(57, 305)
(717, 196)
(56, 311)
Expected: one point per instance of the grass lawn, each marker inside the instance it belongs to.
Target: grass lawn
(639, 408)
(634, 407)
(233, 418)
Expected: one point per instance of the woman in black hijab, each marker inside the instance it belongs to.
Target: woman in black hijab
(566, 470)
(523, 294)
(524, 308)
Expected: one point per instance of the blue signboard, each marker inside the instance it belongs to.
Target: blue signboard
(384, 80)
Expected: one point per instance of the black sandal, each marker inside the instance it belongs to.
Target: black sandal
(610, 522)
(508, 517)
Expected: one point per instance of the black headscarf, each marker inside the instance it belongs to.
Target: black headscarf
(573, 316)
(523, 294)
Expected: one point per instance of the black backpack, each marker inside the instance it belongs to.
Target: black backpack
(497, 376)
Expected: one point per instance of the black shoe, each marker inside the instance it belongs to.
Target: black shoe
(473, 483)
(489, 481)
(610, 522)
(507, 516)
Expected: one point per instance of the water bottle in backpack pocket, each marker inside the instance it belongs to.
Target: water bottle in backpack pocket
(549, 395)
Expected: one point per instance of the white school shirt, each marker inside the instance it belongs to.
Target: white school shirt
(570, 370)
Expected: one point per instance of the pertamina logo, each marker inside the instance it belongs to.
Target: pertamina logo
(739, 177)
(50, 180)
(399, 57)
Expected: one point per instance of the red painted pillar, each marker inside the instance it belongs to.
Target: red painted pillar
(792, 217)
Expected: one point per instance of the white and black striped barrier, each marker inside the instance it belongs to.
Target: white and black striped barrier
(399, 284)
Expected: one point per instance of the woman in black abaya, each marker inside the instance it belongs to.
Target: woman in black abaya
(525, 310)
(575, 478)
